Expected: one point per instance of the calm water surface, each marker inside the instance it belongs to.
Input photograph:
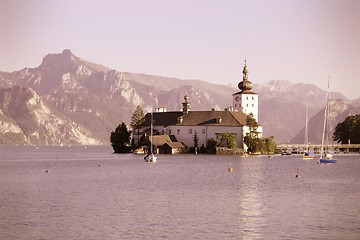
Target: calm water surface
(90, 193)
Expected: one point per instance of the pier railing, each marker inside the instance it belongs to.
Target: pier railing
(299, 148)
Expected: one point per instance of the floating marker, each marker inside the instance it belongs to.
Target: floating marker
(230, 168)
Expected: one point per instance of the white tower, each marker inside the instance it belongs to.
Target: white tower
(246, 101)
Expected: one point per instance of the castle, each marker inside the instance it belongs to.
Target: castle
(178, 128)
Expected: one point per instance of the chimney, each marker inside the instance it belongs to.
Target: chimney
(180, 119)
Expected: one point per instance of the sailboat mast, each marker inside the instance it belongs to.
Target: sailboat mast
(325, 119)
(306, 138)
(151, 132)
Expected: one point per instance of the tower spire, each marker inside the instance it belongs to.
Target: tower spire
(245, 84)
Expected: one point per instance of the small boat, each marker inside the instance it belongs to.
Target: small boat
(150, 157)
(285, 153)
(325, 156)
(139, 151)
(306, 155)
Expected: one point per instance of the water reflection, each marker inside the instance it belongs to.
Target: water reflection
(251, 219)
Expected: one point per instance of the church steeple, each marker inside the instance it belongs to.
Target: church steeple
(245, 84)
(246, 100)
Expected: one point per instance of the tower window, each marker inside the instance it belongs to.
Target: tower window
(203, 131)
(190, 131)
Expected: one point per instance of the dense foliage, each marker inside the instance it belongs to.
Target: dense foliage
(348, 130)
(120, 139)
(211, 146)
(256, 144)
(137, 119)
(227, 140)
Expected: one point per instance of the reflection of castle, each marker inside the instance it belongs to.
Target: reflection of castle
(183, 125)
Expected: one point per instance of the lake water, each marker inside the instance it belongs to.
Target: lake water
(91, 193)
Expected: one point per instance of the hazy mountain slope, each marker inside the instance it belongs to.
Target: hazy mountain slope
(68, 100)
(35, 122)
(339, 110)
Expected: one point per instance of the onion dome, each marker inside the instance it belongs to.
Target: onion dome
(186, 98)
(245, 84)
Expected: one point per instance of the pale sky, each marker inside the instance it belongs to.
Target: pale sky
(297, 40)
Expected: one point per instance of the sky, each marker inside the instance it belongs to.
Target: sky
(298, 40)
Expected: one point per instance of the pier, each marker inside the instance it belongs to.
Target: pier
(300, 148)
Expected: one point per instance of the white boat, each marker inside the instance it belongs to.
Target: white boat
(151, 157)
(307, 155)
(325, 156)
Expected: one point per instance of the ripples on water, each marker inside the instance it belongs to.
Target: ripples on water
(90, 193)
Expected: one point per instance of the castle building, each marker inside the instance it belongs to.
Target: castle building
(183, 125)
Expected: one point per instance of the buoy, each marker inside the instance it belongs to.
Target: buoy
(230, 168)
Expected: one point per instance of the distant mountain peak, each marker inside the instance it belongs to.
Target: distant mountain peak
(66, 61)
(67, 52)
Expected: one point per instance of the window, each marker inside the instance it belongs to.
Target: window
(253, 105)
(252, 98)
(203, 131)
(247, 105)
(247, 98)
(190, 131)
(169, 131)
(178, 131)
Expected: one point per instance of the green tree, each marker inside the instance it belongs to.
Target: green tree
(137, 119)
(256, 144)
(196, 142)
(270, 144)
(120, 139)
(228, 140)
(211, 145)
(348, 130)
(253, 125)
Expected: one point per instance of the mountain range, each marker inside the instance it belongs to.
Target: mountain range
(69, 101)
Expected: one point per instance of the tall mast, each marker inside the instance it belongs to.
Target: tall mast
(325, 118)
